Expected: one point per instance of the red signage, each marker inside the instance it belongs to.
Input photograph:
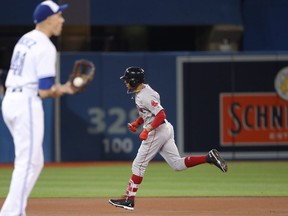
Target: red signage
(253, 119)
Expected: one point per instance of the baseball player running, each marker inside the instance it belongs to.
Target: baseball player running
(157, 137)
(30, 79)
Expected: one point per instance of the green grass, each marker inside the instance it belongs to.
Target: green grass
(242, 179)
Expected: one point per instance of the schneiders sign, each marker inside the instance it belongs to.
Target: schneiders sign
(253, 119)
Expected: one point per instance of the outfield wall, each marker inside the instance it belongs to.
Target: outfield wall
(207, 97)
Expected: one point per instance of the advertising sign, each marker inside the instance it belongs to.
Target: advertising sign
(253, 119)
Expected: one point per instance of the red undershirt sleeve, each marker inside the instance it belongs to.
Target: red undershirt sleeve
(140, 121)
(158, 120)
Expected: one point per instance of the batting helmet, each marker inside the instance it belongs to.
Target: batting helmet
(134, 76)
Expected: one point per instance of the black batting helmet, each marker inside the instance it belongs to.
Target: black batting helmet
(134, 76)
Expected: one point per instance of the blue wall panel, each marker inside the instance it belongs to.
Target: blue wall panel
(6, 143)
(165, 12)
(17, 13)
(265, 25)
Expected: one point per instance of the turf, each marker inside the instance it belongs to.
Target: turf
(242, 179)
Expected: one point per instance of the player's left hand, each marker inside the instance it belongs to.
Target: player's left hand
(132, 127)
(144, 134)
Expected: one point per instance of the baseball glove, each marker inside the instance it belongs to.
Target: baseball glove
(82, 74)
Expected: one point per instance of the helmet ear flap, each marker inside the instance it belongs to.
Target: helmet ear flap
(133, 83)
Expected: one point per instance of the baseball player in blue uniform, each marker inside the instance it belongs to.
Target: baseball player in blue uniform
(157, 137)
(31, 79)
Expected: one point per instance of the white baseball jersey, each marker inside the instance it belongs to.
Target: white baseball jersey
(34, 57)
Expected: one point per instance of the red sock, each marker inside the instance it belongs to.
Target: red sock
(133, 185)
(191, 161)
(136, 179)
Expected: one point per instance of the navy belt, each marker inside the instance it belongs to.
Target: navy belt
(23, 90)
(19, 89)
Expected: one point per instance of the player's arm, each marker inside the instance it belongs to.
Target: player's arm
(158, 120)
(134, 125)
(47, 88)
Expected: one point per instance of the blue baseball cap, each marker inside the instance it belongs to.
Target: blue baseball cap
(46, 9)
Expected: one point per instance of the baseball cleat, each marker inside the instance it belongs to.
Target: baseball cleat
(213, 157)
(124, 202)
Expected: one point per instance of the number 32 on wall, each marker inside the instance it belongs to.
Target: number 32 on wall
(99, 119)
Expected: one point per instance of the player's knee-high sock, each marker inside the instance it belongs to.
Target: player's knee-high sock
(191, 161)
(133, 185)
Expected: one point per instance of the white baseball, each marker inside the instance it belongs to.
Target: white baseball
(78, 81)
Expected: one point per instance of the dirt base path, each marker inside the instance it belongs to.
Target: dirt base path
(198, 206)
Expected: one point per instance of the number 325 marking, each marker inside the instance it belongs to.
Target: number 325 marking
(99, 122)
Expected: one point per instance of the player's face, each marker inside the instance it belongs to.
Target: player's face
(129, 87)
(56, 21)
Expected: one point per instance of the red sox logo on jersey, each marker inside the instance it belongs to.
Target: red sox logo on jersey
(154, 103)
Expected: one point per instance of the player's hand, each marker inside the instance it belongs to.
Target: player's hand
(56, 91)
(133, 126)
(68, 88)
(144, 134)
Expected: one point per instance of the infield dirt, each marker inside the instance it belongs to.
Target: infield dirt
(184, 206)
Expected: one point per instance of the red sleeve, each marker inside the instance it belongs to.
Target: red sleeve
(158, 120)
(140, 121)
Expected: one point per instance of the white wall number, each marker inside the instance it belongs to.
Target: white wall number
(97, 120)
(117, 145)
(118, 125)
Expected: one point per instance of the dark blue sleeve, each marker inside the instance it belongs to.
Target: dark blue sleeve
(46, 83)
